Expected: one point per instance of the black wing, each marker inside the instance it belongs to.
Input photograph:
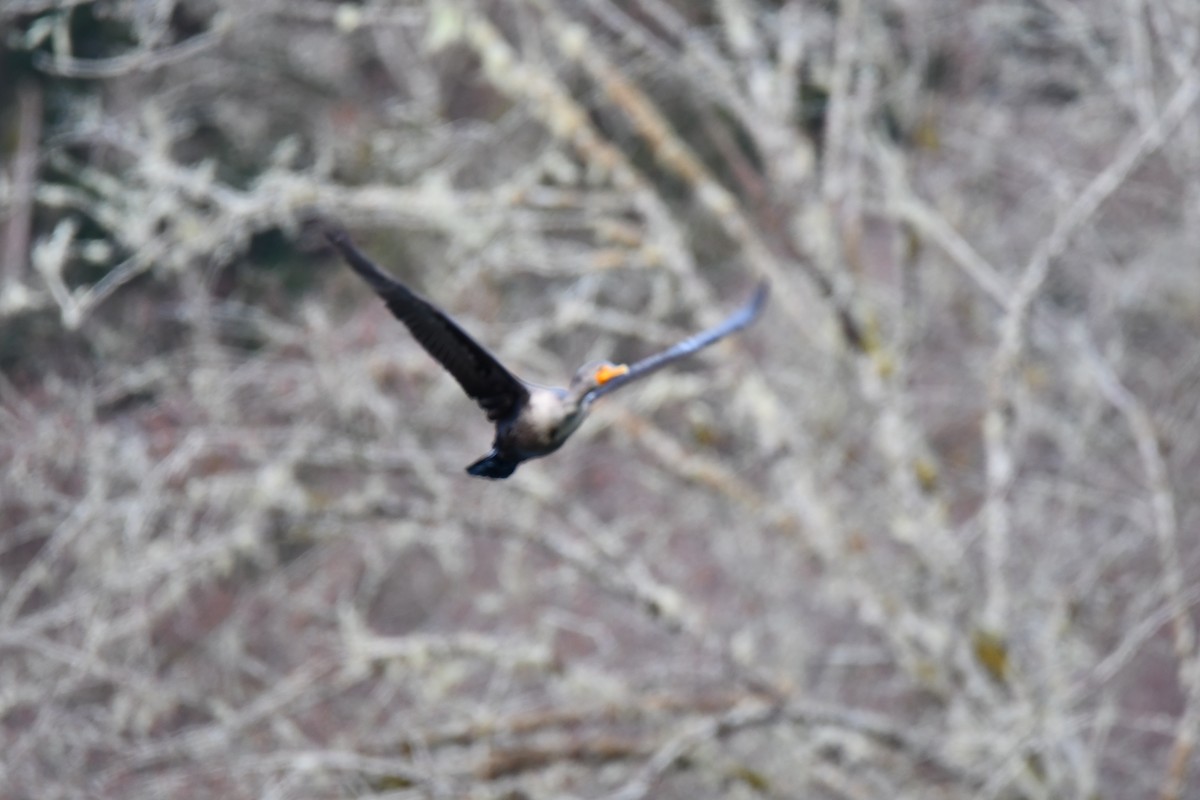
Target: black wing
(484, 378)
(735, 322)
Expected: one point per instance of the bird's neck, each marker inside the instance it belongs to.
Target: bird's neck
(555, 410)
(575, 401)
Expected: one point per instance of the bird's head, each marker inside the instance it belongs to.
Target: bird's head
(594, 375)
(589, 378)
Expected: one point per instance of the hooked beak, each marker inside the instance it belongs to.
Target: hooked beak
(607, 373)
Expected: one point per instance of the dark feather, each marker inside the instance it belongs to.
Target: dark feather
(494, 466)
(481, 376)
(735, 322)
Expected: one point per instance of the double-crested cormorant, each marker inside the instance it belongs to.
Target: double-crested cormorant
(531, 421)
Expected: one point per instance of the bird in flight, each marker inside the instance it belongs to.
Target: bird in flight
(531, 421)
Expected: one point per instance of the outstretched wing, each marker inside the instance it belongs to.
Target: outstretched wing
(481, 376)
(735, 322)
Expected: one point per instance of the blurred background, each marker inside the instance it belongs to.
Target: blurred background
(929, 529)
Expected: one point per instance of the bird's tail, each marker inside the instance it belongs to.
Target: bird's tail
(494, 466)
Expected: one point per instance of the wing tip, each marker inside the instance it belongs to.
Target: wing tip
(336, 235)
(381, 282)
(758, 300)
(762, 291)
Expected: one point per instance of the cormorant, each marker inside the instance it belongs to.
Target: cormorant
(531, 421)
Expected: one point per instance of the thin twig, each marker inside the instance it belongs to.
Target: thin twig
(17, 231)
(1166, 530)
(1000, 459)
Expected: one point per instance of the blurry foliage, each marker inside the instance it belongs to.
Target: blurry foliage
(928, 530)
